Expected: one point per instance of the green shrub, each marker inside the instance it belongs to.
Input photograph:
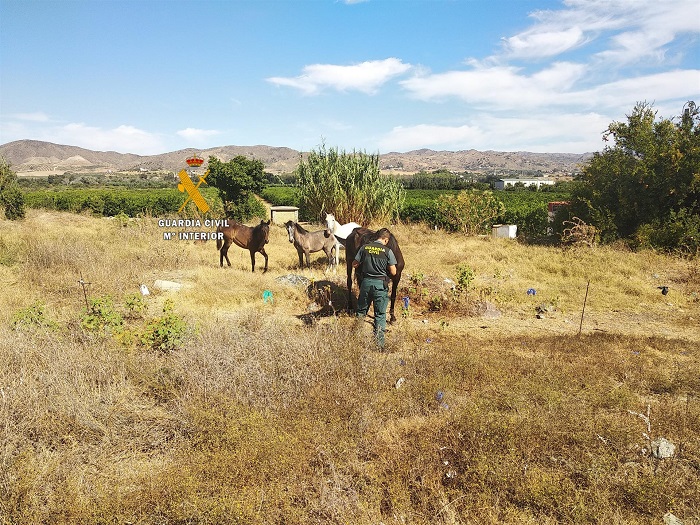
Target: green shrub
(470, 212)
(166, 333)
(33, 315)
(136, 306)
(101, 315)
(679, 233)
(11, 197)
(465, 277)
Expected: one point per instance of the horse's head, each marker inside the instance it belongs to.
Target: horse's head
(290, 230)
(265, 228)
(330, 221)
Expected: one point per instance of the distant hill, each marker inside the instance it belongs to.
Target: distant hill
(33, 157)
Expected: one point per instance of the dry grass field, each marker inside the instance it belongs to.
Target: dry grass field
(215, 405)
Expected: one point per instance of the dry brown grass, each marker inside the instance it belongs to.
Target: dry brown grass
(261, 417)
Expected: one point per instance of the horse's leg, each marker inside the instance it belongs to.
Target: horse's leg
(329, 254)
(300, 254)
(394, 288)
(224, 253)
(252, 260)
(349, 269)
(307, 253)
(262, 250)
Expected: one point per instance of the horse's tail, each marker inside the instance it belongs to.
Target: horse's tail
(219, 239)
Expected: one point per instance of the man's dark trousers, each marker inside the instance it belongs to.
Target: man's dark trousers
(376, 292)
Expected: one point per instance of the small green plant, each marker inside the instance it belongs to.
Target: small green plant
(465, 277)
(33, 315)
(136, 306)
(166, 333)
(121, 219)
(435, 304)
(416, 278)
(101, 314)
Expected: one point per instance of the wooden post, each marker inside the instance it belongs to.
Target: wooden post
(584, 308)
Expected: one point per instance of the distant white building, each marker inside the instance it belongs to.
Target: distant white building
(502, 184)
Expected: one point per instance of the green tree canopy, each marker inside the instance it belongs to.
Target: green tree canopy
(348, 185)
(645, 187)
(11, 197)
(237, 181)
(470, 212)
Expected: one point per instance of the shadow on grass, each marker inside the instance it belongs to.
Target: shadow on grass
(328, 299)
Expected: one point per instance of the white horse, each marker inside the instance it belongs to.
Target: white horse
(341, 232)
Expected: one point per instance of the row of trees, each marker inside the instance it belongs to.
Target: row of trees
(644, 187)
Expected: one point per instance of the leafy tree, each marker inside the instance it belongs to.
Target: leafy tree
(348, 185)
(237, 181)
(11, 197)
(645, 187)
(471, 212)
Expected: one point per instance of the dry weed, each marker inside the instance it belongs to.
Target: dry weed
(267, 415)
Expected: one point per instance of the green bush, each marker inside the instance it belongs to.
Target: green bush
(33, 315)
(11, 197)
(101, 315)
(166, 333)
(470, 212)
(679, 233)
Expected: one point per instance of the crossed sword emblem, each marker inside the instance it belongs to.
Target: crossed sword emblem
(186, 185)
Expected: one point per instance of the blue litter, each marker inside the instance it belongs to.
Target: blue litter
(439, 395)
(406, 301)
(267, 297)
(531, 291)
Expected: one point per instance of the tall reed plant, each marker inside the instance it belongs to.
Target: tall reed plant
(348, 185)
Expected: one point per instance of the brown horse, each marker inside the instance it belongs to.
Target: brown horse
(358, 238)
(307, 242)
(250, 238)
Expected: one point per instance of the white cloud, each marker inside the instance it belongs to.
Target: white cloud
(197, 135)
(564, 132)
(660, 87)
(637, 29)
(544, 43)
(501, 86)
(366, 77)
(37, 116)
(123, 138)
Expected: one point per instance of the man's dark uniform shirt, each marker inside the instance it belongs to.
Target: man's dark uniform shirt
(374, 258)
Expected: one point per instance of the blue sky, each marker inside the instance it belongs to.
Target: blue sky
(148, 77)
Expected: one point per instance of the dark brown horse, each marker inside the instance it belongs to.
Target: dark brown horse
(307, 242)
(250, 238)
(355, 241)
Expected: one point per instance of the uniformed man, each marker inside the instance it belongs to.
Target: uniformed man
(377, 264)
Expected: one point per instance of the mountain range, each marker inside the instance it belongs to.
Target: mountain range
(33, 157)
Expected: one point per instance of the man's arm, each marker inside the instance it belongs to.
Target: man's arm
(391, 269)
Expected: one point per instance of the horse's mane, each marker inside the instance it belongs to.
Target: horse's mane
(300, 228)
